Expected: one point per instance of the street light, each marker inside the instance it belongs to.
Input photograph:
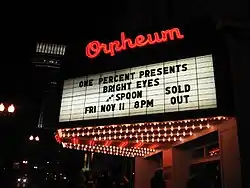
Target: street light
(32, 138)
(2, 107)
(10, 108)
(37, 138)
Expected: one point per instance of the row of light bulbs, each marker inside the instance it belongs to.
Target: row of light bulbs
(169, 139)
(175, 125)
(112, 150)
(143, 132)
(133, 130)
(141, 138)
(145, 135)
(114, 130)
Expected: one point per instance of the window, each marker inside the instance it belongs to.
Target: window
(50, 48)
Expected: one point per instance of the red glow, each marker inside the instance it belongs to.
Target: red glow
(153, 146)
(75, 140)
(139, 144)
(58, 139)
(107, 143)
(91, 142)
(123, 144)
(94, 48)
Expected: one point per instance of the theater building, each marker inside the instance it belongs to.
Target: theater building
(163, 97)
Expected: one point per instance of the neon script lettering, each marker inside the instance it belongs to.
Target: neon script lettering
(94, 48)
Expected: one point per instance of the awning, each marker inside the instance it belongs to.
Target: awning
(132, 140)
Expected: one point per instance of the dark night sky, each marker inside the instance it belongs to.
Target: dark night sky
(21, 29)
(55, 24)
(24, 28)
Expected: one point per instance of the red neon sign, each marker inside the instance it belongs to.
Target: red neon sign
(94, 48)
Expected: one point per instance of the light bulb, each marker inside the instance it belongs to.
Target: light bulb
(11, 108)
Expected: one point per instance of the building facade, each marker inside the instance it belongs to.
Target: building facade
(47, 62)
(164, 92)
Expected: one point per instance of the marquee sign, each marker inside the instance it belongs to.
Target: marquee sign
(186, 84)
(94, 48)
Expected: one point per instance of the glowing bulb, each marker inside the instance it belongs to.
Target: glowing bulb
(2, 107)
(11, 108)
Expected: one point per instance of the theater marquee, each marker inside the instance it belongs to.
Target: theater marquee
(181, 85)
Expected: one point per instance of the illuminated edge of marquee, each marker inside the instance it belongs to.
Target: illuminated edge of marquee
(176, 132)
(111, 150)
(94, 48)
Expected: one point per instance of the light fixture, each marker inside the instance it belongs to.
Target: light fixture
(11, 108)
(150, 135)
(34, 138)
(111, 150)
(2, 107)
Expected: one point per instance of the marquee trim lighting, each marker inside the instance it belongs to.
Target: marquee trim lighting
(111, 150)
(148, 135)
(94, 48)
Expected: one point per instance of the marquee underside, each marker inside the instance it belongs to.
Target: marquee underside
(132, 140)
